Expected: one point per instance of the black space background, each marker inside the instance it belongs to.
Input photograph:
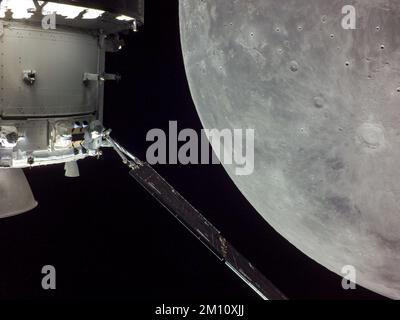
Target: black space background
(108, 239)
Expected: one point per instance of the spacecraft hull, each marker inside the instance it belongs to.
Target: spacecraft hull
(43, 114)
(52, 75)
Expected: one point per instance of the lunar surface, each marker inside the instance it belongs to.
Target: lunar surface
(325, 105)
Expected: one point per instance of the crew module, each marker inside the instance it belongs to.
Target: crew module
(52, 75)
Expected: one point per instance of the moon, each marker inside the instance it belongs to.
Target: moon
(324, 101)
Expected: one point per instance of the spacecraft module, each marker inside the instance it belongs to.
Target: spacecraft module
(52, 74)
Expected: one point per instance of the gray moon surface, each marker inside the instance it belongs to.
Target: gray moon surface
(325, 105)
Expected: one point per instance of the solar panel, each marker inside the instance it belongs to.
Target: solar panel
(203, 230)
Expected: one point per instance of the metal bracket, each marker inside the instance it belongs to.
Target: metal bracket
(100, 77)
(134, 26)
(29, 76)
(102, 38)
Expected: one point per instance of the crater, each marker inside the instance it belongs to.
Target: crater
(319, 102)
(371, 135)
(294, 66)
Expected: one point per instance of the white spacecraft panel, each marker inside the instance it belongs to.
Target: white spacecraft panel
(52, 74)
(59, 60)
(15, 195)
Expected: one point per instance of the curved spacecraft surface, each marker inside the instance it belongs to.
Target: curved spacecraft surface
(52, 74)
(324, 102)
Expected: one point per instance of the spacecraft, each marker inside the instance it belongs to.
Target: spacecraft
(52, 74)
